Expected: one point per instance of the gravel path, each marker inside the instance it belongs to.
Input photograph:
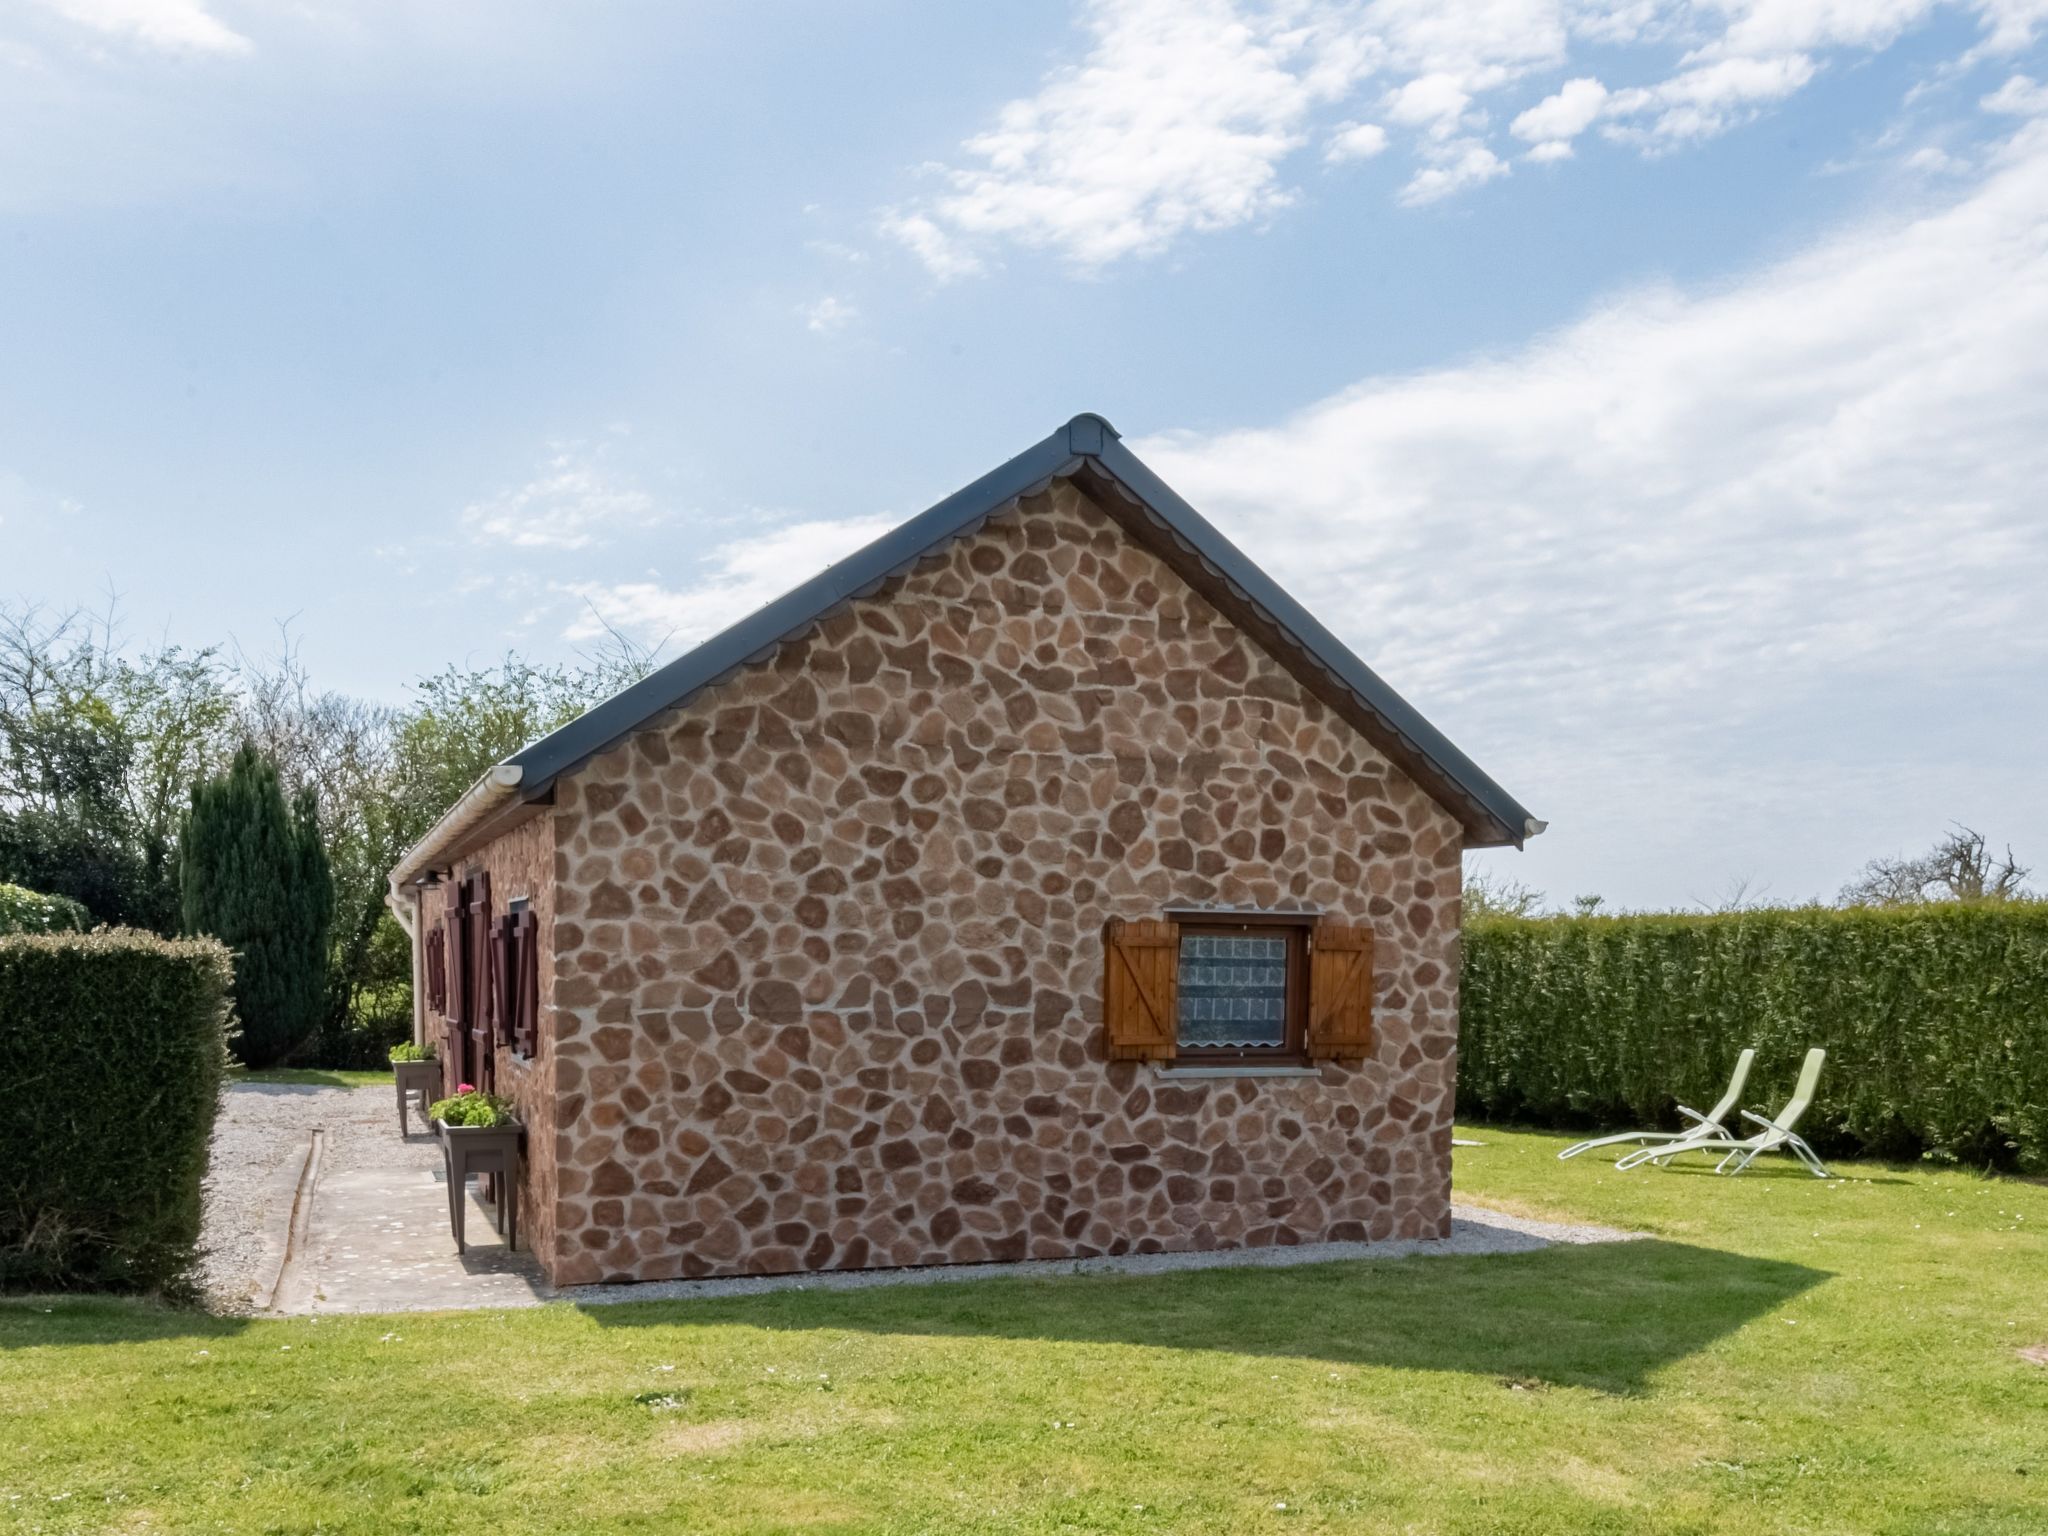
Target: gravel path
(258, 1141)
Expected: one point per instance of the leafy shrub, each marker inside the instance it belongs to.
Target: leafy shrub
(407, 1051)
(378, 1011)
(112, 1049)
(1935, 1020)
(24, 911)
(469, 1106)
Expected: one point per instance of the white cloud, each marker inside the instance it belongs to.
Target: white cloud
(1355, 141)
(2010, 25)
(1176, 121)
(1932, 160)
(1463, 163)
(1556, 120)
(2018, 97)
(1768, 28)
(741, 576)
(175, 26)
(571, 503)
(943, 255)
(1434, 102)
(1182, 116)
(828, 314)
(1757, 569)
(1699, 103)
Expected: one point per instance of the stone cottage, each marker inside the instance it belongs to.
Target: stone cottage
(1039, 881)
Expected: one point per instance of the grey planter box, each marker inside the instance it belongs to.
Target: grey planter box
(417, 1080)
(494, 1150)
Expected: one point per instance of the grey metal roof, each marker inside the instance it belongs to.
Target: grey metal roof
(1088, 450)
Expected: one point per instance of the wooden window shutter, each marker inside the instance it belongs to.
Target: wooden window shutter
(1340, 992)
(1141, 963)
(501, 979)
(437, 970)
(452, 961)
(478, 944)
(526, 989)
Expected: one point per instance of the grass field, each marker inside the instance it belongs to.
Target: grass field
(1783, 1356)
(312, 1077)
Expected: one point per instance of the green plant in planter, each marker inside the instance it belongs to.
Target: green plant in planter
(410, 1052)
(467, 1106)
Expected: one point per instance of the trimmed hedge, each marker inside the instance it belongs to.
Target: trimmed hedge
(26, 911)
(112, 1050)
(1935, 1021)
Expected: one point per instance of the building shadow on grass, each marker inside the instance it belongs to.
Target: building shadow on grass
(1603, 1316)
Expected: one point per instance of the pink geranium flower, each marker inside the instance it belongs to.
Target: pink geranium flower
(465, 1087)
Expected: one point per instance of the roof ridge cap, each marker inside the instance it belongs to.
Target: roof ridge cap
(1090, 434)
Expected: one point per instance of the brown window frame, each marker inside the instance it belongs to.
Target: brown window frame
(1293, 1051)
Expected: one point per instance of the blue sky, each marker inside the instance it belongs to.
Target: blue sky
(1657, 394)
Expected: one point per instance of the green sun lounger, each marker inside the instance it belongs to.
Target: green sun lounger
(1778, 1133)
(1711, 1124)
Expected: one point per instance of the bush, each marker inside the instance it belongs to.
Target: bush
(23, 911)
(379, 1012)
(112, 1049)
(1935, 1020)
(407, 1051)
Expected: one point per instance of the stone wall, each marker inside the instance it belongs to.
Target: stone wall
(521, 864)
(830, 968)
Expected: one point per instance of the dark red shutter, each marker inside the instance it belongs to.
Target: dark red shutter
(503, 987)
(526, 988)
(454, 960)
(481, 999)
(431, 970)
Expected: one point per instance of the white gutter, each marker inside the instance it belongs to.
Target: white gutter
(483, 798)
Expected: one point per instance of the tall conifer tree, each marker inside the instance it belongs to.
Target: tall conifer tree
(255, 876)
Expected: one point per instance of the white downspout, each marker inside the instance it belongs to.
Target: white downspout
(406, 913)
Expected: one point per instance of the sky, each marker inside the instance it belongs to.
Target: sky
(1655, 394)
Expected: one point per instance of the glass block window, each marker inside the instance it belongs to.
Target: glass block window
(1233, 990)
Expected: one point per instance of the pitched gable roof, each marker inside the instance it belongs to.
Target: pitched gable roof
(1088, 451)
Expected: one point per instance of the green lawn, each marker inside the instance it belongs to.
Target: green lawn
(311, 1077)
(1785, 1356)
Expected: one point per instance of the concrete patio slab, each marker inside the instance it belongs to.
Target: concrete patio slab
(377, 1240)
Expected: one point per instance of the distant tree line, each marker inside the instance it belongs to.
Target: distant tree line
(113, 757)
(1962, 866)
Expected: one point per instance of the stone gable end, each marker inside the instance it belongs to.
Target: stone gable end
(827, 956)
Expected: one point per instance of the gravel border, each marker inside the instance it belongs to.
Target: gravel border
(1475, 1232)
